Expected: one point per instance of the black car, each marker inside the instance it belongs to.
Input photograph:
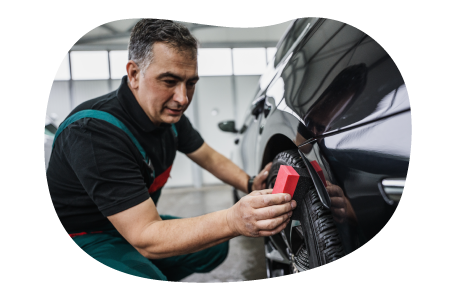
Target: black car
(332, 98)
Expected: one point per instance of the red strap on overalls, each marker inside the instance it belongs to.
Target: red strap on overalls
(160, 180)
(70, 236)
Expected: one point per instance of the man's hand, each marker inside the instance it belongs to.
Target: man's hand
(260, 214)
(259, 183)
(341, 208)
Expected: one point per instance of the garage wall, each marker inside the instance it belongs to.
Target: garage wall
(59, 103)
(84, 90)
(217, 98)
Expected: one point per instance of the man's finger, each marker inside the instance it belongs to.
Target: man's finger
(337, 202)
(272, 212)
(265, 172)
(267, 167)
(272, 224)
(261, 192)
(275, 231)
(268, 200)
(334, 190)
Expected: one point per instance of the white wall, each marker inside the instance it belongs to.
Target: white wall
(59, 100)
(84, 90)
(212, 92)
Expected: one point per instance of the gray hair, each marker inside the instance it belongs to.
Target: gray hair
(148, 31)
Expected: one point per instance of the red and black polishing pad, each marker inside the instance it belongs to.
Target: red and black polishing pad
(293, 181)
(319, 171)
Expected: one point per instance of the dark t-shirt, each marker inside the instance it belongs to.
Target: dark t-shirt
(96, 171)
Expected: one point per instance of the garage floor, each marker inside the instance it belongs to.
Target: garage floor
(245, 260)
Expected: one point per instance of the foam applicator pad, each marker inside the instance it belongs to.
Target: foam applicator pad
(319, 171)
(286, 181)
(296, 182)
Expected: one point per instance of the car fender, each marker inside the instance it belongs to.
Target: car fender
(273, 139)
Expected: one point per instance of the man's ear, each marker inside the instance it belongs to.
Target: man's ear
(133, 73)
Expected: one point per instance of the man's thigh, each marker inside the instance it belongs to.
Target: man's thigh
(178, 267)
(111, 249)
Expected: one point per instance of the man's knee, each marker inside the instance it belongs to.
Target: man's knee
(112, 250)
(215, 256)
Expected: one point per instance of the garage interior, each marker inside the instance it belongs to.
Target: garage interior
(230, 63)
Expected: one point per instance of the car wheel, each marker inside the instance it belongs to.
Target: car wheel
(315, 241)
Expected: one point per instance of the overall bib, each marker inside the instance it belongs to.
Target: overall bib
(110, 248)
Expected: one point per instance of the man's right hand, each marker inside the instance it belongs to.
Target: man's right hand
(260, 214)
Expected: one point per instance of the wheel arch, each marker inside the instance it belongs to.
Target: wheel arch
(276, 144)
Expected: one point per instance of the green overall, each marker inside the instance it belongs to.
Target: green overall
(111, 249)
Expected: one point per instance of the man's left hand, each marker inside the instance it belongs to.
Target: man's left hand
(259, 183)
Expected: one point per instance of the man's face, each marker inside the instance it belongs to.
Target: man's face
(166, 88)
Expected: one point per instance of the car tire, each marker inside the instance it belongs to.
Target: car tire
(321, 243)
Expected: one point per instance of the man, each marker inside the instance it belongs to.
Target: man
(113, 154)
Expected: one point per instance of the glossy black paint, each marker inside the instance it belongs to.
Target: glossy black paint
(337, 95)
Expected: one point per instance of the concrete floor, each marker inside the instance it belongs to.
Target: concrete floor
(245, 261)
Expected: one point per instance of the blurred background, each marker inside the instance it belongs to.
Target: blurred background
(230, 62)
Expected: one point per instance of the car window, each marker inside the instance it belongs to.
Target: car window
(395, 63)
(339, 76)
(314, 72)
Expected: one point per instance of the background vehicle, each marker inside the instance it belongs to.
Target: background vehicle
(49, 131)
(334, 96)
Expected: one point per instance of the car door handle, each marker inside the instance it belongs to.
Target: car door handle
(419, 192)
(267, 108)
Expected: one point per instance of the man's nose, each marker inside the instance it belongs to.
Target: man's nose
(180, 94)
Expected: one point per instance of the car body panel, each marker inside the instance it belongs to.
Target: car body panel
(338, 97)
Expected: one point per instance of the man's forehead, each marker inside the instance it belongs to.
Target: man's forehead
(166, 59)
(164, 54)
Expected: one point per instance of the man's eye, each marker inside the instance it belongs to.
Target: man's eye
(191, 84)
(170, 81)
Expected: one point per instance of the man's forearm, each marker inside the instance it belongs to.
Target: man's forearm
(221, 167)
(225, 170)
(168, 238)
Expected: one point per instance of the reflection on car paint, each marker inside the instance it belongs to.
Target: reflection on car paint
(342, 101)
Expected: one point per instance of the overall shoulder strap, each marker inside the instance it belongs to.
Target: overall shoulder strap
(173, 127)
(102, 115)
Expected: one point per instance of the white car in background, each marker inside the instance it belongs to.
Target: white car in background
(49, 131)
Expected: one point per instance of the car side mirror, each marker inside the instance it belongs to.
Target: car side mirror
(258, 106)
(228, 126)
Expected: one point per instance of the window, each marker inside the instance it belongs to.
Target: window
(93, 65)
(214, 62)
(249, 61)
(118, 61)
(88, 65)
(63, 72)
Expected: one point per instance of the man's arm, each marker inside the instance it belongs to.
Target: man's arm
(257, 214)
(225, 170)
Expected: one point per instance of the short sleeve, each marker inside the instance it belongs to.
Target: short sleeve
(104, 160)
(189, 140)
